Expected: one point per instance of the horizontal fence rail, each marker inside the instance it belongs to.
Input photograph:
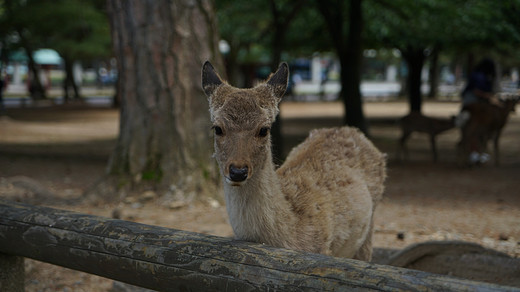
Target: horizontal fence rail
(173, 260)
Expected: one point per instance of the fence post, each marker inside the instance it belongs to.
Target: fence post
(12, 273)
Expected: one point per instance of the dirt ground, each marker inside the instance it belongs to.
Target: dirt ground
(64, 150)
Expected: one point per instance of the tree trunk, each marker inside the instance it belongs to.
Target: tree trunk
(414, 58)
(35, 86)
(348, 49)
(276, 129)
(351, 70)
(434, 74)
(69, 80)
(281, 22)
(165, 141)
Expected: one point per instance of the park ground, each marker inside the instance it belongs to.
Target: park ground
(50, 156)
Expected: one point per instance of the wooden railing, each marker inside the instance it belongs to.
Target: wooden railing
(172, 260)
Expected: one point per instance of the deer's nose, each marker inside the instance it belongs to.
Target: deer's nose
(238, 174)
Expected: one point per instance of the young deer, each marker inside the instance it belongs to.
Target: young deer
(485, 123)
(416, 122)
(320, 200)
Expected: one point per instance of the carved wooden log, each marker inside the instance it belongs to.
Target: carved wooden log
(171, 260)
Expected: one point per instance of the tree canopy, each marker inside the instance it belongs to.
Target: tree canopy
(415, 27)
(418, 28)
(77, 29)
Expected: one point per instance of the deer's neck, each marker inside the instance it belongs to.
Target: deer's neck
(258, 210)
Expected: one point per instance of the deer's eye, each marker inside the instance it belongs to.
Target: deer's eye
(218, 131)
(263, 132)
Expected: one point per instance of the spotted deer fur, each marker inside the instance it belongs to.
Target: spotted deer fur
(321, 200)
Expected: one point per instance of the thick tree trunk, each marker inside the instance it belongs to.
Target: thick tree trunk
(165, 141)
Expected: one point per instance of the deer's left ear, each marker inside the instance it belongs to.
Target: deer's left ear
(278, 81)
(210, 79)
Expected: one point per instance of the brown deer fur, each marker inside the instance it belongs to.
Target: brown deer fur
(320, 200)
(485, 123)
(416, 122)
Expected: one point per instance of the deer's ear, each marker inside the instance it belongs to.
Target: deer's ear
(278, 81)
(210, 79)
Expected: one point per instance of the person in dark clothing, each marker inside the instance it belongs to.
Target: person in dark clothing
(480, 84)
(479, 89)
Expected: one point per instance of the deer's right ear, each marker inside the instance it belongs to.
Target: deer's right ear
(278, 81)
(210, 79)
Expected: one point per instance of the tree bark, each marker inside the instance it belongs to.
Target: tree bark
(165, 141)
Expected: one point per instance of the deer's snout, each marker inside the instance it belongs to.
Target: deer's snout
(238, 173)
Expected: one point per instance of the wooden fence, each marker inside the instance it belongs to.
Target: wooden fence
(173, 260)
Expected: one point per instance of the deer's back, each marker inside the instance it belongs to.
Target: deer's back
(416, 122)
(333, 181)
(487, 116)
(330, 159)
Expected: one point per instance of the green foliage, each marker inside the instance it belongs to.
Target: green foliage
(463, 25)
(307, 33)
(243, 25)
(249, 28)
(453, 25)
(76, 29)
(403, 23)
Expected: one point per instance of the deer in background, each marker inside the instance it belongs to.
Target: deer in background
(486, 122)
(321, 200)
(416, 122)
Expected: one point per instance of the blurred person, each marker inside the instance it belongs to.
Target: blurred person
(479, 89)
(480, 84)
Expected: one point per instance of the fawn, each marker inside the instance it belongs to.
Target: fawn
(416, 122)
(321, 200)
(486, 122)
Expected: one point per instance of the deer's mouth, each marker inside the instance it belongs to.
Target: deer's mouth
(234, 183)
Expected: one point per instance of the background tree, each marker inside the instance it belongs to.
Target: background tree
(165, 141)
(17, 24)
(283, 14)
(241, 31)
(346, 34)
(415, 28)
(268, 24)
(77, 29)
(423, 28)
